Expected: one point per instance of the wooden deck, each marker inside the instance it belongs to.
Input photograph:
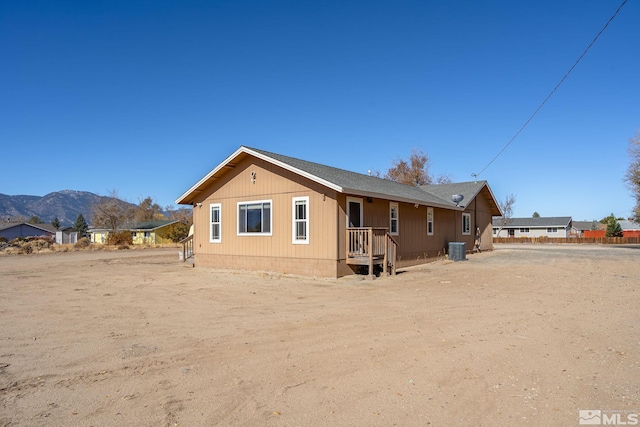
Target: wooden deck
(372, 246)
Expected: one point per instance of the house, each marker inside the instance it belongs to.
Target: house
(151, 232)
(578, 228)
(630, 228)
(142, 233)
(264, 211)
(558, 226)
(11, 231)
(98, 235)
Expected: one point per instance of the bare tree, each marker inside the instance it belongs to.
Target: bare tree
(444, 178)
(632, 177)
(147, 210)
(506, 206)
(413, 172)
(111, 212)
(184, 215)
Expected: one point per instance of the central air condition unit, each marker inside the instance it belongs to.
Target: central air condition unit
(457, 251)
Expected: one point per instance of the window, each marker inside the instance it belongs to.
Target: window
(524, 230)
(147, 234)
(300, 216)
(466, 223)
(495, 231)
(254, 218)
(552, 230)
(430, 221)
(393, 219)
(215, 234)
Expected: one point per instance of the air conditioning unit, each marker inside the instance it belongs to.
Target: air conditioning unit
(457, 251)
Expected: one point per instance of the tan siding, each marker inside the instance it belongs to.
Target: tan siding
(279, 186)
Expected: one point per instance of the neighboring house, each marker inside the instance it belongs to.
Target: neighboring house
(151, 232)
(630, 228)
(264, 211)
(98, 235)
(559, 226)
(13, 230)
(142, 233)
(578, 228)
(67, 235)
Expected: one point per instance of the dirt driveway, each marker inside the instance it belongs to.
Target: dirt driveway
(524, 335)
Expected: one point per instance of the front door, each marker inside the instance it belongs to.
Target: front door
(354, 212)
(354, 219)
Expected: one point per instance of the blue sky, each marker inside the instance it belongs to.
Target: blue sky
(146, 97)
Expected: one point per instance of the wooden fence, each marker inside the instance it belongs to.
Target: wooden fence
(600, 240)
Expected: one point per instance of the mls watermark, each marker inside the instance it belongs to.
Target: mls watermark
(607, 417)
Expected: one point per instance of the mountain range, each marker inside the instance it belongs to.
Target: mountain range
(65, 205)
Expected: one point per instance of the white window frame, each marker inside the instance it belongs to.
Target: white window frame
(466, 224)
(295, 221)
(430, 221)
(218, 207)
(393, 205)
(254, 202)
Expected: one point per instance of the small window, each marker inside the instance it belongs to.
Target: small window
(254, 218)
(147, 234)
(300, 215)
(393, 219)
(524, 230)
(466, 223)
(552, 230)
(430, 221)
(495, 231)
(215, 235)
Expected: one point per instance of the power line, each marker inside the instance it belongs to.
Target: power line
(475, 175)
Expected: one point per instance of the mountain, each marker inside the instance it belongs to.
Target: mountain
(65, 205)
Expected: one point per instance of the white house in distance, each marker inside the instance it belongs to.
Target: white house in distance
(556, 226)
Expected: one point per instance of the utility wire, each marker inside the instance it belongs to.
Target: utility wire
(475, 175)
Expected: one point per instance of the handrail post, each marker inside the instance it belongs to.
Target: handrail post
(386, 257)
(370, 248)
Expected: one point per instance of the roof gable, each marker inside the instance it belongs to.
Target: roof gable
(342, 181)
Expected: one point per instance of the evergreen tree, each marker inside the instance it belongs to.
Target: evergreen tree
(536, 215)
(613, 228)
(56, 223)
(80, 226)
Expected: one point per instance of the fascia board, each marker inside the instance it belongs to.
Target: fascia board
(261, 156)
(297, 171)
(209, 175)
(401, 199)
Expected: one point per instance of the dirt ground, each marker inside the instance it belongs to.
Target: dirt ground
(523, 335)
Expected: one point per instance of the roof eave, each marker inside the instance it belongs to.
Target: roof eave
(186, 199)
(401, 199)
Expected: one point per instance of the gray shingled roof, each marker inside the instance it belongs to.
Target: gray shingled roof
(349, 182)
(44, 227)
(551, 221)
(629, 225)
(585, 225)
(357, 183)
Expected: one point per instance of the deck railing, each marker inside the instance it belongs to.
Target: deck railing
(372, 245)
(187, 247)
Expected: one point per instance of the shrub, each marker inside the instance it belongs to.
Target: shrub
(120, 238)
(83, 243)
